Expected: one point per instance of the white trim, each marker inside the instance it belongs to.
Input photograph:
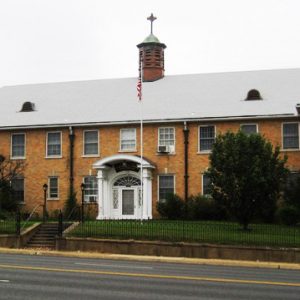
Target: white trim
(96, 195)
(11, 144)
(120, 143)
(54, 156)
(289, 149)
(215, 130)
(83, 143)
(249, 124)
(158, 138)
(158, 183)
(49, 186)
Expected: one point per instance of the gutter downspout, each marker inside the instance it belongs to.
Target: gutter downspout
(71, 160)
(186, 164)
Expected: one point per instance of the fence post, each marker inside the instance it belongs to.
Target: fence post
(60, 224)
(18, 223)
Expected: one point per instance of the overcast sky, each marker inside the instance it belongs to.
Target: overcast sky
(66, 40)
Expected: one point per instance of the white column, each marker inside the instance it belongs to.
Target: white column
(147, 194)
(102, 202)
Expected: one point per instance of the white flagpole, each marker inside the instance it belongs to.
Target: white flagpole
(142, 186)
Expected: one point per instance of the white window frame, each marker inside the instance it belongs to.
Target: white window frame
(54, 156)
(199, 149)
(249, 124)
(202, 188)
(127, 150)
(49, 187)
(11, 146)
(282, 137)
(83, 144)
(86, 196)
(158, 183)
(158, 138)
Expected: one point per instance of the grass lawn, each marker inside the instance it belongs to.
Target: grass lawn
(9, 226)
(192, 231)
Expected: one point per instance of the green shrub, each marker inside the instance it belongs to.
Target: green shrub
(172, 208)
(288, 215)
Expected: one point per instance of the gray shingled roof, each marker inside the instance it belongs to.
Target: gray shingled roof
(197, 96)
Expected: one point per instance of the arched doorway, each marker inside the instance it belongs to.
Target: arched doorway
(119, 187)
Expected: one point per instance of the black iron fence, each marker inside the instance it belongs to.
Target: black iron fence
(191, 231)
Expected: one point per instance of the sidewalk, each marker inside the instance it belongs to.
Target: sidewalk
(216, 262)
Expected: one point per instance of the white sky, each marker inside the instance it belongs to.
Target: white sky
(66, 40)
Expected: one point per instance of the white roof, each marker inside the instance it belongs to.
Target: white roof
(179, 97)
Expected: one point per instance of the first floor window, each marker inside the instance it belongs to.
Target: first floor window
(166, 137)
(249, 128)
(206, 185)
(17, 185)
(91, 142)
(18, 145)
(290, 133)
(128, 139)
(166, 186)
(207, 138)
(53, 188)
(91, 189)
(54, 144)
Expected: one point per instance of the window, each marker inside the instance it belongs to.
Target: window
(206, 185)
(18, 145)
(53, 188)
(91, 189)
(290, 133)
(207, 137)
(53, 144)
(249, 128)
(17, 185)
(128, 139)
(166, 186)
(166, 137)
(90, 142)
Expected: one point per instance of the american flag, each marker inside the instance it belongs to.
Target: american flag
(139, 89)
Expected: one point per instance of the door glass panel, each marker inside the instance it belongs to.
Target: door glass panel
(127, 202)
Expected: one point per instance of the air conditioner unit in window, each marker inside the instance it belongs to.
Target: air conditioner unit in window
(171, 148)
(90, 198)
(163, 149)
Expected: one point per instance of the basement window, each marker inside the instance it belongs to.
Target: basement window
(253, 95)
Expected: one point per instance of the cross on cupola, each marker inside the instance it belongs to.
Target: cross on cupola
(151, 19)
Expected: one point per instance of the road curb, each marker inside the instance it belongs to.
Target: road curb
(181, 260)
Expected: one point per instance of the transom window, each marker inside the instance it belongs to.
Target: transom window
(18, 145)
(128, 139)
(90, 142)
(166, 186)
(206, 185)
(249, 128)
(53, 188)
(91, 189)
(128, 181)
(290, 133)
(17, 185)
(166, 137)
(207, 138)
(54, 144)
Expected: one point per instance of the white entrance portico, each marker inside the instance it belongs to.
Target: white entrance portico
(119, 187)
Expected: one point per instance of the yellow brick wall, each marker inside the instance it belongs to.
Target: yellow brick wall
(39, 168)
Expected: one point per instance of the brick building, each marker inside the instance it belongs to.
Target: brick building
(89, 132)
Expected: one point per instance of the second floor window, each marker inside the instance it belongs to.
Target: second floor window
(90, 142)
(18, 145)
(207, 138)
(166, 137)
(128, 139)
(53, 144)
(290, 133)
(249, 128)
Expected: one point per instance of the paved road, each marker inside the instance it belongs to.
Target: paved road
(47, 277)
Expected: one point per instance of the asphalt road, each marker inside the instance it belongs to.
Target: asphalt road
(47, 277)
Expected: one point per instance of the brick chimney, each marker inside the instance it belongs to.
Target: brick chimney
(151, 56)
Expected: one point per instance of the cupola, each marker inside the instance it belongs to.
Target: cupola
(151, 56)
